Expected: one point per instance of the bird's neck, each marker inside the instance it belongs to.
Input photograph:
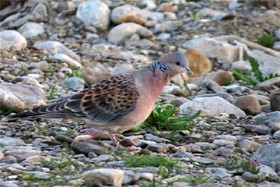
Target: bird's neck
(159, 70)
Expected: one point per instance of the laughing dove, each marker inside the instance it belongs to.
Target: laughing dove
(120, 102)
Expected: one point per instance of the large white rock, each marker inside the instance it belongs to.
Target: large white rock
(268, 64)
(123, 31)
(125, 13)
(31, 30)
(54, 47)
(19, 96)
(94, 13)
(212, 48)
(211, 106)
(12, 40)
(104, 176)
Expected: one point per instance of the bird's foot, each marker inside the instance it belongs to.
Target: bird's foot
(118, 145)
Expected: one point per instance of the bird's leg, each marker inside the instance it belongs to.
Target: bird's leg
(115, 140)
(118, 145)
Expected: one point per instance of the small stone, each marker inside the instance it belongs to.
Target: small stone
(249, 145)
(37, 159)
(20, 96)
(163, 36)
(12, 40)
(213, 86)
(159, 148)
(248, 104)
(104, 176)
(259, 129)
(128, 13)
(95, 13)
(198, 63)
(65, 58)
(212, 48)
(267, 63)
(125, 30)
(276, 135)
(277, 33)
(250, 177)
(223, 95)
(123, 68)
(268, 118)
(275, 100)
(168, 26)
(218, 174)
(1, 155)
(212, 106)
(31, 30)
(267, 171)
(54, 47)
(126, 142)
(276, 46)
(269, 155)
(87, 147)
(22, 154)
(39, 13)
(42, 65)
(244, 66)
(74, 83)
(11, 141)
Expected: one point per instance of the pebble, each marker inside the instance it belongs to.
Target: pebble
(31, 30)
(39, 13)
(259, 129)
(125, 30)
(87, 147)
(248, 145)
(248, 104)
(250, 177)
(19, 96)
(54, 48)
(269, 155)
(104, 176)
(128, 13)
(74, 83)
(94, 13)
(209, 47)
(198, 63)
(212, 106)
(12, 40)
(275, 100)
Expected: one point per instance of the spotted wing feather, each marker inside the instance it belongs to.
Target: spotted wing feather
(105, 101)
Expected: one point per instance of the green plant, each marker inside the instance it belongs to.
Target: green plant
(256, 76)
(77, 73)
(24, 70)
(194, 15)
(251, 166)
(151, 160)
(52, 92)
(197, 179)
(266, 40)
(163, 118)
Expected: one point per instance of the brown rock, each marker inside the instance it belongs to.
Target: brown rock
(199, 64)
(249, 104)
(222, 77)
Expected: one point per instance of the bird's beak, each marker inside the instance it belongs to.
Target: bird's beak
(188, 70)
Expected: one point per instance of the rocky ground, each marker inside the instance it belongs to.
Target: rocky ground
(52, 48)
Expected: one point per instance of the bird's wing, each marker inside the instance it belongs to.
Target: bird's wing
(105, 101)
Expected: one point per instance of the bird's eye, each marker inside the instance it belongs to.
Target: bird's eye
(177, 63)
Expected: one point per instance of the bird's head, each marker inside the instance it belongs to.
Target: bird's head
(176, 63)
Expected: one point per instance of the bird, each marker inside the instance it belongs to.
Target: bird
(118, 103)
